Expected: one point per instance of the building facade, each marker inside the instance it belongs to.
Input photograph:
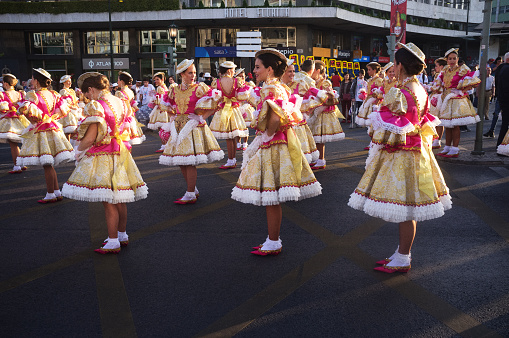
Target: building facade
(346, 34)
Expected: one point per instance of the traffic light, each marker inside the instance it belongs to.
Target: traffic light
(166, 58)
(170, 57)
(391, 45)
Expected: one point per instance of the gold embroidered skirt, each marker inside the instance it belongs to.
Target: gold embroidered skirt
(362, 118)
(389, 188)
(307, 142)
(247, 113)
(11, 128)
(157, 118)
(268, 178)
(70, 122)
(457, 111)
(190, 143)
(325, 127)
(91, 181)
(48, 147)
(229, 128)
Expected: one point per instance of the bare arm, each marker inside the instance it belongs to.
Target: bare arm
(89, 138)
(273, 123)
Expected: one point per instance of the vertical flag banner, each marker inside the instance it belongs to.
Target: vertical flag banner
(398, 19)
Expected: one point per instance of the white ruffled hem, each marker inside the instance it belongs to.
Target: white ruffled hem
(312, 157)
(137, 140)
(284, 194)
(103, 194)
(70, 129)
(503, 149)
(230, 135)
(193, 160)
(329, 138)
(43, 160)
(462, 121)
(377, 122)
(6, 137)
(397, 213)
(155, 126)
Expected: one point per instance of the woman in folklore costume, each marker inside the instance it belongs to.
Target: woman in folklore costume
(191, 142)
(302, 88)
(70, 121)
(389, 80)
(403, 182)
(105, 170)
(246, 109)
(11, 124)
(45, 143)
(274, 169)
(324, 122)
(158, 116)
(228, 122)
(456, 109)
(125, 81)
(375, 83)
(436, 99)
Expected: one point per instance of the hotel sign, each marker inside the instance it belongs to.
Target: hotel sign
(105, 63)
(261, 12)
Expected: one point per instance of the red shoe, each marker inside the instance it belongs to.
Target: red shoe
(383, 261)
(16, 171)
(180, 201)
(390, 269)
(24, 168)
(436, 147)
(318, 167)
(451, 156)
(366, 148)
(107, 251)
(60, 198)
(226, 167)
(440, 154)
(260, 252)
(43, 201)
(159, 151)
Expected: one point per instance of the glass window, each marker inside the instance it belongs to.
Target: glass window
(278, 36)
(216, 37)
(99, 42)
(154, 41)
(52, 43)
(321, 39)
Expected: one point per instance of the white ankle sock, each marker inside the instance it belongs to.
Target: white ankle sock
(122, 236)
(397, 252)
(239, 144)
(196, 192)
(453, 151)
(399, 260)
(320, 163)
(112, 243)
(436, 143)
(163, 146)
(16, 168)
(271, 245)
(50, 196)
(57, 193)
(188, 196)
(446, 150)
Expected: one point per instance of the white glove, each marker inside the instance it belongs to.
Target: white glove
(267, 138)
(195, 117)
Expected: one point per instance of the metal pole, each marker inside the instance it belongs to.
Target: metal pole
(111, 43)
(482, 70)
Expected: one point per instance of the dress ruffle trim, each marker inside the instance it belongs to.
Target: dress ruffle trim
(462, 121)
(193, 160)
(283, 194)
(329, 138)
(46, 159)
(397, 213)
(104, 194)
(378, 122)
(137, 140)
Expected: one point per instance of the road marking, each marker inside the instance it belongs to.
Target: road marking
(114, 310)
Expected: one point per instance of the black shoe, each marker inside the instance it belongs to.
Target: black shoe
(489, 134)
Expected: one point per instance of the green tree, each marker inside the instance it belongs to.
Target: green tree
(200, 4)
(290, 4)
(266, 3)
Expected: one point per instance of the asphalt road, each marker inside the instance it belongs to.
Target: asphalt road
(188, 272)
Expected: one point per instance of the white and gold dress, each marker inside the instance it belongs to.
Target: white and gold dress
(135, 133)
(158, 116)
(275, 170)
(70, 121)
(107, 172)
(402, 181)
(191, 141)
(11, 123)
(44, 141)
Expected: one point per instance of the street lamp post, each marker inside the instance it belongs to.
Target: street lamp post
(173, 31)
(485, 42)
(111, 42)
